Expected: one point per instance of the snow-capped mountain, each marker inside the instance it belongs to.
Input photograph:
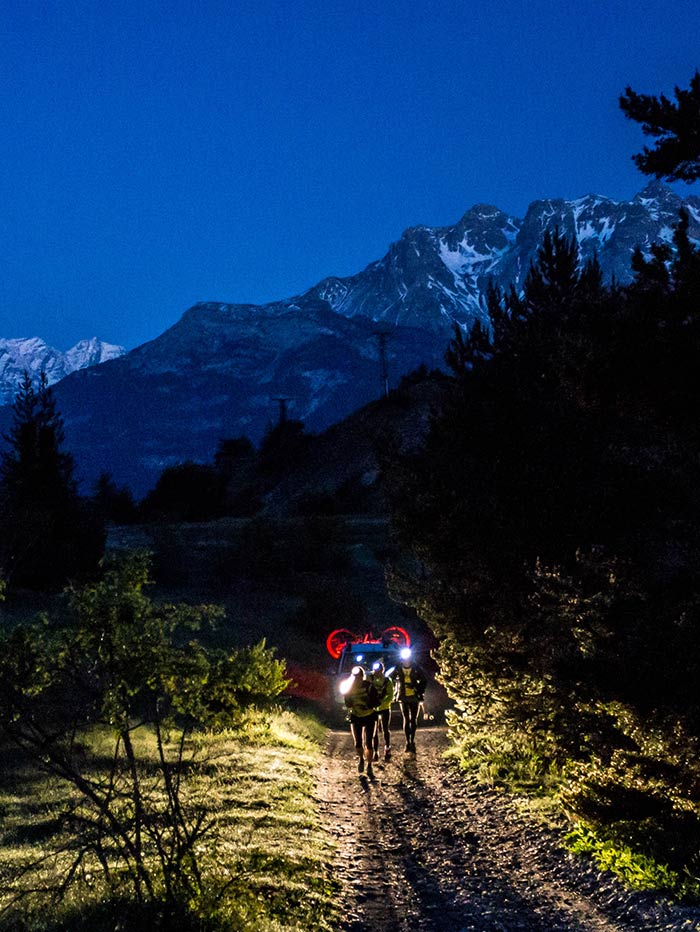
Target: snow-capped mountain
(91, 353)
(217, 372)
(34, 355)
(436, 275)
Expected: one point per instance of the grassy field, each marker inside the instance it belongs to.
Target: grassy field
(265, 857)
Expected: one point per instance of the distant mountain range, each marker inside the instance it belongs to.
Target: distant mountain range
(34, 355)
(219, 370)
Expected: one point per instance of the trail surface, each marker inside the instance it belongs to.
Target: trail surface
(421, 850)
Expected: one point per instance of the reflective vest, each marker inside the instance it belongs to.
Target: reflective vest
(385, 690)
(410, 684)
(362, 698)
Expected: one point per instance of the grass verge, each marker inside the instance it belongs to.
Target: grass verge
(636, 870)
(266, 859)
(644, 830)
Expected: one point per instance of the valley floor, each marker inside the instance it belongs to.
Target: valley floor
(420, 849)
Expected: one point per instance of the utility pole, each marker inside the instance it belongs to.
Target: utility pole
(382, 337)
(282, 401)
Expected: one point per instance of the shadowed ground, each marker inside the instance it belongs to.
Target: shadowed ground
(419, 849)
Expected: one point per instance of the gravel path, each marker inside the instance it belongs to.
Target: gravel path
(420, 849)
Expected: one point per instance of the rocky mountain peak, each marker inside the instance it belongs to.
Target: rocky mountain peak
(481, 213)
(35, 355)
(656, 190)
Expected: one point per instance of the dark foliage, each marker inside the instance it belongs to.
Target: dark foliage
(236, 461)
(233, 484)
(553, 519)
(186, 492)
(416, 376)
(282, 447)
(113, 504)
(676, 127)
(49, 533)
(233, 453)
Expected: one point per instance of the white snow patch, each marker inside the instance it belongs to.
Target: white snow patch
(601, 232)
(586, 231)
(459, 260)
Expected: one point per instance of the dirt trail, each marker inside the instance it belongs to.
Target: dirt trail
(421, 850)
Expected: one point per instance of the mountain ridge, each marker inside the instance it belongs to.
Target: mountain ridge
(218, 370)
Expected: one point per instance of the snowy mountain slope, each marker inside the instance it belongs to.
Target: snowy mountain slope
(431, 276)
(34, 355)
(436, 275)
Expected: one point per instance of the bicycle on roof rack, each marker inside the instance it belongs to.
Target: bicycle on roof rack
(352, 650)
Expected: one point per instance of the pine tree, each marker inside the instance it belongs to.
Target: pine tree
(463, 353)
(49, 533)
(676, 126)
(35, 467)
(552, 281)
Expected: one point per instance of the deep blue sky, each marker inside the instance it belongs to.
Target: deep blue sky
(154, 154)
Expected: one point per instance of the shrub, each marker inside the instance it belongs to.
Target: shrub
(131, 674)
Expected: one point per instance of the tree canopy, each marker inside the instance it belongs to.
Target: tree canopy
(676, 127)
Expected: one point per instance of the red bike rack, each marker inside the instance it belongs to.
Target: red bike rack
(341, 637)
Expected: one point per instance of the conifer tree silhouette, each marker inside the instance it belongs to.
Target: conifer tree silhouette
(676, 127)
(49, 533)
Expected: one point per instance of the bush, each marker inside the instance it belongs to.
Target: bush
(122, 686)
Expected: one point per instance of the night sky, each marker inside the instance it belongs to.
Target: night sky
(155, 154)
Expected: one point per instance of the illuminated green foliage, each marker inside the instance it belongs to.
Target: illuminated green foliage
(108, 703)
